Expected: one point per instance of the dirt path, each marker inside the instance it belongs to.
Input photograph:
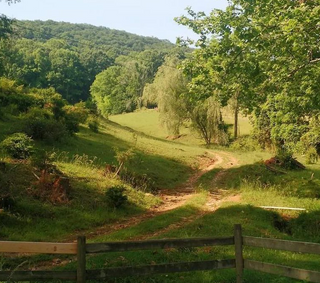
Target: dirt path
(175, 198)
(171, 199)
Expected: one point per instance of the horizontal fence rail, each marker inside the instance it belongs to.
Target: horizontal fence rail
(40, 248)
(157, 244)
(37, 275)
(110, 273)
(275, 244)
(81, 249)
(295, 273)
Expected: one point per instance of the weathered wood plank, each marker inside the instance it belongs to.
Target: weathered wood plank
(283, 208)
(81, 258)
(301, 274)
(37, 275)
(41, 247)
(292, 246)
(161, 268)
(157, 244)
(238, 252)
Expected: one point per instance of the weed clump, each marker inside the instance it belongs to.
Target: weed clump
(51, 188)
(115, 196)
(18, 146)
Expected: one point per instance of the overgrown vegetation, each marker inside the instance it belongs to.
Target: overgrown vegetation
(68, 168)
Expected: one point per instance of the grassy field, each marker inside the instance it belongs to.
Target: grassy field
(147, 123)
(169, 164)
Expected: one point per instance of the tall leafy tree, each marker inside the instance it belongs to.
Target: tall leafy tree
(266, 53)
(166, 92)
(108, 91)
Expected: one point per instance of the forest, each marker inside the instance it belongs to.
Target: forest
(120, 137)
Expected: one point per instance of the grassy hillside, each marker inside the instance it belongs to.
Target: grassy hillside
(230, 193)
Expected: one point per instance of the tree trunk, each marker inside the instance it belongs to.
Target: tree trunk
(235, 127)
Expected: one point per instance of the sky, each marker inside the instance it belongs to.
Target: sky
(142, 17)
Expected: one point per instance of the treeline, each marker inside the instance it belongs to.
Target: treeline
(68, 56)
(261, 58)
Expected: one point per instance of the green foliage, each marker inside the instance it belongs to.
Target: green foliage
(245, 143)
(93, 124)
(18, 146)
(312, 156)
(13, 94)
(41, 125)
(43, 160)
(263, 62)
(207, 120)
(5, 26)
(119, 88)
(166, 92)
(74, 115)
(115, 196)
(123, 157)
(68, 56)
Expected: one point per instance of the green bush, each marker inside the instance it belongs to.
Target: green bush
(312, 156)
(41, 125)
(93, 125)
(18, 146)
(246, 143)
(74, 115)
(115, 196)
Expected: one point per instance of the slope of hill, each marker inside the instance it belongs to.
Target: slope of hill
(77, 35)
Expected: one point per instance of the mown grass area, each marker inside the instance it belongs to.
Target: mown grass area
(146, 122)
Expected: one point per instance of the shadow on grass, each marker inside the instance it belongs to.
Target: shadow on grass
(299, 183)
(164, 172)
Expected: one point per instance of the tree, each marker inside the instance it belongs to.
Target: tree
(108, 91)
(268, 53)
(225, 63)
(207, 120)
(177, 104)
(65, 74)
(119, 88)
(166, 92)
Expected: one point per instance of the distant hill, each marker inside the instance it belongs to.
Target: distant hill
(68, 57)
(77, 35)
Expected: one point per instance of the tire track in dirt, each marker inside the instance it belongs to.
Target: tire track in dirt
(171, 199)
(175, 198)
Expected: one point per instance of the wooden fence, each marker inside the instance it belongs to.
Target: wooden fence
(81, 249)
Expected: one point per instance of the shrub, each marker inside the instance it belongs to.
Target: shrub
(284, 159)
(40, 125)
(115, 196)
(312, 156)
(247, 143)
(93, 125)
(18, 146)
(43, 160)
(74, 115)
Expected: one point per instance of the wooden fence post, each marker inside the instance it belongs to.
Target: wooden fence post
(81, 257)
(238, 252)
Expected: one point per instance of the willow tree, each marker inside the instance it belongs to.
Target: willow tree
(166, 92)
(178, 103)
